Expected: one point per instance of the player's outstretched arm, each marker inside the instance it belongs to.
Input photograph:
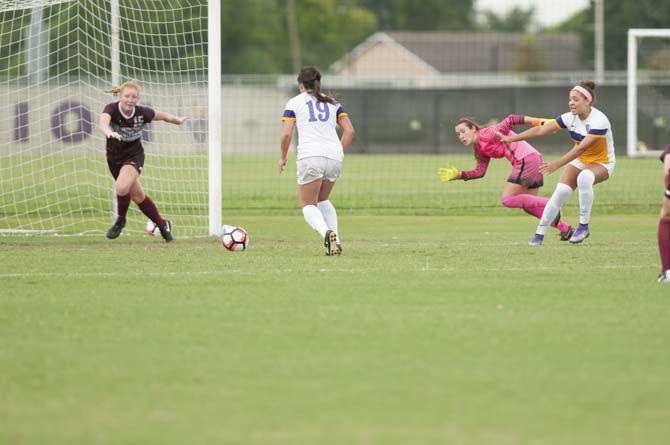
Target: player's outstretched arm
(103, 125)
(539, 121)
(574, 153)
(167, 117)
(531, 133)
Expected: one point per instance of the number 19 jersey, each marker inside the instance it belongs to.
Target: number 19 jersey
(316, 122)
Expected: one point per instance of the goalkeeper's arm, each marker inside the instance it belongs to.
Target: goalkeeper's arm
(450, 173)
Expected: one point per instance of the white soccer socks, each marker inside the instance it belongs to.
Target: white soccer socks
(561, 195)
(329, 214)
(315, 219)
(585, 181)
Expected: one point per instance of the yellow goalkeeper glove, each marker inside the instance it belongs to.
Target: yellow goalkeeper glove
(448, 173)
(540, 121)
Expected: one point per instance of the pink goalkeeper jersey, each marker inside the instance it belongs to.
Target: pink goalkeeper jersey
(490, 146)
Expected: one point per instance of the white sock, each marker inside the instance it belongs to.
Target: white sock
(556, 202)
(315, 219)
(585, 181)
(329, 215)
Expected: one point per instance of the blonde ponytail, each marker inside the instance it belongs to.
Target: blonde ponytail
(123, 86)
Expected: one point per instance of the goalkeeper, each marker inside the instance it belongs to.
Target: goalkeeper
(525, 179)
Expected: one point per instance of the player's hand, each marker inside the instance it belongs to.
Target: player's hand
(181, 120)
(282, 165)
(503, 137)
(549, 167)
(448, 173)
(114, 135)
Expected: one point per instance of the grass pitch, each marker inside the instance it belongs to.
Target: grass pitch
(427, 330)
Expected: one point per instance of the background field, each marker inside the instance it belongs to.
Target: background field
(74, 194)
(430, 329)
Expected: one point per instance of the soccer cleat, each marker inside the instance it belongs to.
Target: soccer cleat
(664, 277)
(166, 231)
(536, 240)
(116, 229)
(580, 234)
(567, 234)
(332, 244)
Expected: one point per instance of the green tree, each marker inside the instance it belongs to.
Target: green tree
(328, 29)
(254, 36)
(619, 17)
(530, 58)
(517, 19)
(424, 15)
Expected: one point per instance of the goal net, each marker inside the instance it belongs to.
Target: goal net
(648, 107)
(56, 58)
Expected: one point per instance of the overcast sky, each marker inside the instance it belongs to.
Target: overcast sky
(547, 12)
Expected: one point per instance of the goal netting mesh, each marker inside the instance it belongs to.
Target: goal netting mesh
(56, 58)
(649, 106)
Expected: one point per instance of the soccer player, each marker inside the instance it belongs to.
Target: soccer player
(122, 122)
(589, 162)
(664, 221)
(320, 152)
(524, 180)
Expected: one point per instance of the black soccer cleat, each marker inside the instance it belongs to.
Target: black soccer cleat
(565, 236)
(166, 231)
(116, 229)
(332, 244)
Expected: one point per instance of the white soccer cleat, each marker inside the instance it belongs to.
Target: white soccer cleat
(664, 277)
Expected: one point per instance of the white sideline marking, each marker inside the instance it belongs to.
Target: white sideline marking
(24, 231)
(445, 268)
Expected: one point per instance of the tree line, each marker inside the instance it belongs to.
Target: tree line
(255, 33)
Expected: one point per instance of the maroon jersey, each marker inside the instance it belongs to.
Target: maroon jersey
(665, 152)
(130, 129)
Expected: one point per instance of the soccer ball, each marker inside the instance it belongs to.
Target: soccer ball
(152, 229)
(234, 238)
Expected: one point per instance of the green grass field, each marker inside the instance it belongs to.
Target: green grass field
(429, 329)
(74, 195)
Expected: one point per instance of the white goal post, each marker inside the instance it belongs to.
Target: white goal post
(634, 35)
(56, 59)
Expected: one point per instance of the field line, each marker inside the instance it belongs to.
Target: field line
(426, 268)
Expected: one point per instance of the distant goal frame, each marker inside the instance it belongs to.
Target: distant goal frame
(635, 34)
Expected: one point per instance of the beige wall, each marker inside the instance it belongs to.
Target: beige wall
(380, 60)
(250, 119)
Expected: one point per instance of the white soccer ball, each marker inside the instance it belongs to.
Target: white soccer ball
(234, 238)
(152, 229)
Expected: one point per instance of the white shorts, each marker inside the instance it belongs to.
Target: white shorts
(580, 165)
(318, 167)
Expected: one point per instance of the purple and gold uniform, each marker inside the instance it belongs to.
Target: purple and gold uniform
(129, 150)
(595, 125)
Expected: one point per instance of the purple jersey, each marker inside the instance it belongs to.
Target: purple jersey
(129, 127)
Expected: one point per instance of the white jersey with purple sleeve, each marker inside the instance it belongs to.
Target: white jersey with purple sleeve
(316, 122)
(595, 125)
